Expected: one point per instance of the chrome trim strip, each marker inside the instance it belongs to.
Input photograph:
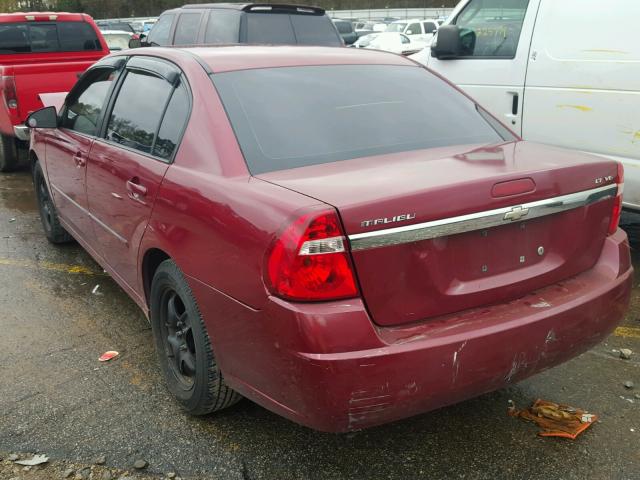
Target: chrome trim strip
(91, 215)
(479, 220)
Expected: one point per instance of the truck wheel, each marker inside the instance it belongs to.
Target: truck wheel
(8, 154)
(48, 215)
(183, 346)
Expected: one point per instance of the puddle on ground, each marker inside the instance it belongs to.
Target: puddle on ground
(16, 192)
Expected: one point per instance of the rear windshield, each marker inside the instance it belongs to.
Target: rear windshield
(297, 116)
(282, 28)
(47, 37)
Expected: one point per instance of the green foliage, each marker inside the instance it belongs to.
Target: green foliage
(144, 8)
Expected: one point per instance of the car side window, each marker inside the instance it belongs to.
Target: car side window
(137, 111)
(429, 27)
(85, 105)
(496, 25)
(413, 29)
(223, 26)
(159, 34)
(187, 29)
(173, 124)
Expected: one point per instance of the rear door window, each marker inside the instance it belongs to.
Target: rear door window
(48, 37)
(223, 26)
(137, 111)
(159, 34)
(496, 25)
(173, 124)
(187, 29)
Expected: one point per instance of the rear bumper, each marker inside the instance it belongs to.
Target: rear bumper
(330, 368)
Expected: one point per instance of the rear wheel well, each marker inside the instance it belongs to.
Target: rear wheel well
(152, 260)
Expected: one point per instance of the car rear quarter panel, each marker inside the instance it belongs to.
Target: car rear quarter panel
(211, 216)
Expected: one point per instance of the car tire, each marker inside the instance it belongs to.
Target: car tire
(8, 154)
(183, 346)
(54, 232)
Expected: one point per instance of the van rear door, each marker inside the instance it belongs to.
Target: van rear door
(494, 75)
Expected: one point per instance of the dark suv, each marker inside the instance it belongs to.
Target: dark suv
(224, 23)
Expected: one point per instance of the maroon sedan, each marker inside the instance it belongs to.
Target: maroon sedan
(339, 235)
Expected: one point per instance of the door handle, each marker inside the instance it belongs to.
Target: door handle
(79, 159)
(136, 191)
(514, 104)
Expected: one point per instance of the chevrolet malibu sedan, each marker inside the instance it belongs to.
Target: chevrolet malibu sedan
(341, 273)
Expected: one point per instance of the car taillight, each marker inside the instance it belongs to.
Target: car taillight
(9, 92)
(309, 260)
(617, 203)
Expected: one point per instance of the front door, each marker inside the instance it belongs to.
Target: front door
(129, 161)
(69, 147)
(494, 72)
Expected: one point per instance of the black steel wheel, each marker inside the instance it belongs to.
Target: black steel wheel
(48, 215)
(183, 346)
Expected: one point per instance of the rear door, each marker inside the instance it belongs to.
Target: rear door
(145, 121)
(69, 146)
(494, 72)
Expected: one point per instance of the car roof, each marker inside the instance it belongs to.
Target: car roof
(242, 57)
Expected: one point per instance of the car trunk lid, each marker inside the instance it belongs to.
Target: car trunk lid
(438, 231)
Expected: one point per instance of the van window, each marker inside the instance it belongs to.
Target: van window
(137, 111)
(497, 25)
(223, 26)
(187, 29)
(315, 30)
(159, 34)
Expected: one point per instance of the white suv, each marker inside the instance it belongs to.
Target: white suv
(416, 29)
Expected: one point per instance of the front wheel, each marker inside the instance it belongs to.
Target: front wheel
(183, 346)
(48, 215)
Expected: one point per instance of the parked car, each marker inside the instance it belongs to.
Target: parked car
(394, 42)
(365, 40)
(548, 75)
(340, 273)
(346, 31)
(243, 23)
(117, 39)
(115, 25)
(417, 29)
(39, 53)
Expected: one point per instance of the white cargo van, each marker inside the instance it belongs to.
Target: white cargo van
(563, 72)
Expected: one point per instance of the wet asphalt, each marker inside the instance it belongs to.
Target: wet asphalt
(56, 398)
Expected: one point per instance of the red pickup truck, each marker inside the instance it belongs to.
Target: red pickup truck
(41, 52)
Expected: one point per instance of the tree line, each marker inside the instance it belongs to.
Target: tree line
(153, 8)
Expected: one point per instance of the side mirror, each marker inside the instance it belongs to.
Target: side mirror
(46, 117)
(135, 43)
(453, 42)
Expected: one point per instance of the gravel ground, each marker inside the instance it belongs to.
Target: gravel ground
(57, 399)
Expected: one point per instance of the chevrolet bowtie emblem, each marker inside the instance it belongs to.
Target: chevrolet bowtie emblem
(516, 214)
